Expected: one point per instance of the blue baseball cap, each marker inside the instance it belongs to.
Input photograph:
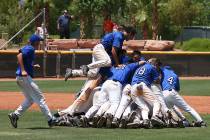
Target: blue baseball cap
(34, 38)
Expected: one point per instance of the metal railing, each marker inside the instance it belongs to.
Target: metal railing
(24, 27)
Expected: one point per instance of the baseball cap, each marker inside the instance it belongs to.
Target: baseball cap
(34, 38)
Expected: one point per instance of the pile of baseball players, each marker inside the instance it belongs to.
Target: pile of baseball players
(121, 91)
(126, 92)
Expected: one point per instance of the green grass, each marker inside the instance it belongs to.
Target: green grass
(34, 127)
(196, 44)
(188, 87)
(58, 86)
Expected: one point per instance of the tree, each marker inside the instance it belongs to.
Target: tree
(13, 18)
(181, 14)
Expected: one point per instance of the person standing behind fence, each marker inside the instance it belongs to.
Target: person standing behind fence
(63, 24)
(31, 91)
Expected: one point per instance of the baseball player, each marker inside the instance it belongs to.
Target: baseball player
(31, 91)
(104, 54)
(142, 94)
(113, 87)
(171, 87)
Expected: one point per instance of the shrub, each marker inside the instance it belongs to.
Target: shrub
(196, 44)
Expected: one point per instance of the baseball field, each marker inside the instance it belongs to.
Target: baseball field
(60, 94)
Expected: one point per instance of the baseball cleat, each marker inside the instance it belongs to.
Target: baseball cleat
(52, 122)
(132, 116)
(95, 121)
(101, 122)
(68, 73)
(123, 123)
(156, 122)
(84, 121)
(85, 69)
(200, 124)
(115, 123)
(109, 120)
(133, 125)
(146, 124)
(13, 119)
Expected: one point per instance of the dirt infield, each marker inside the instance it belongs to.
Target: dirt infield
(10, 100)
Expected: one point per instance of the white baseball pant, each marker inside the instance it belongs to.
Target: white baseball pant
(156, 89)
(100, 58)
(147, 98)
(172, 98)
(32, 95)
(125, 100)
(99, 98)
(81, 107)
(113, 89)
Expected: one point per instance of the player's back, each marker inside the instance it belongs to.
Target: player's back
(112, 39)
(146, 74)
(123, 73)
(169, 79)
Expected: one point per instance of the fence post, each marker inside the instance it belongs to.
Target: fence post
(44, 63)
(58, 64)
(73, 60)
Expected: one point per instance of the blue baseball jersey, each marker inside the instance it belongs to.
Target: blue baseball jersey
(122, 74)
(28, 54)
(124, 59)
(114, 39)
(147, 74)
(169, 79)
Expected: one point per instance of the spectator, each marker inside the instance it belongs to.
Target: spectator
(63, 25)
(108, 25)
(40, 31)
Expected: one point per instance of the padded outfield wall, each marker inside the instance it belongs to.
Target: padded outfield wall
(54, 63)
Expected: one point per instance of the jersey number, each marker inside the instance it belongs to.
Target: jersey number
(141, 71)
(170, 80)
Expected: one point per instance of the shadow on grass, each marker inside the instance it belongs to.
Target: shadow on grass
(38, 128)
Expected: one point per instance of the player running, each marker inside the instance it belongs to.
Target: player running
(31, 91)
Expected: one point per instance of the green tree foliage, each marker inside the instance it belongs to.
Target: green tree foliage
(13, 18)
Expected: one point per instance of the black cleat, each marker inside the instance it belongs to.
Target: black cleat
(115, 123)
(133, 125)
(109, 120)
(146, 124)
(68, 73)
(56, 115)
(132, 116)
(200, 124)
(85, 69)
(156, 122)
(13, 119)
(123, 123)
(95, 121)
(84, 121)
(52, 122)
(101, 122)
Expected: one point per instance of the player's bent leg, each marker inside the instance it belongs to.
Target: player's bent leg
(136, 95)
(100, 58)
